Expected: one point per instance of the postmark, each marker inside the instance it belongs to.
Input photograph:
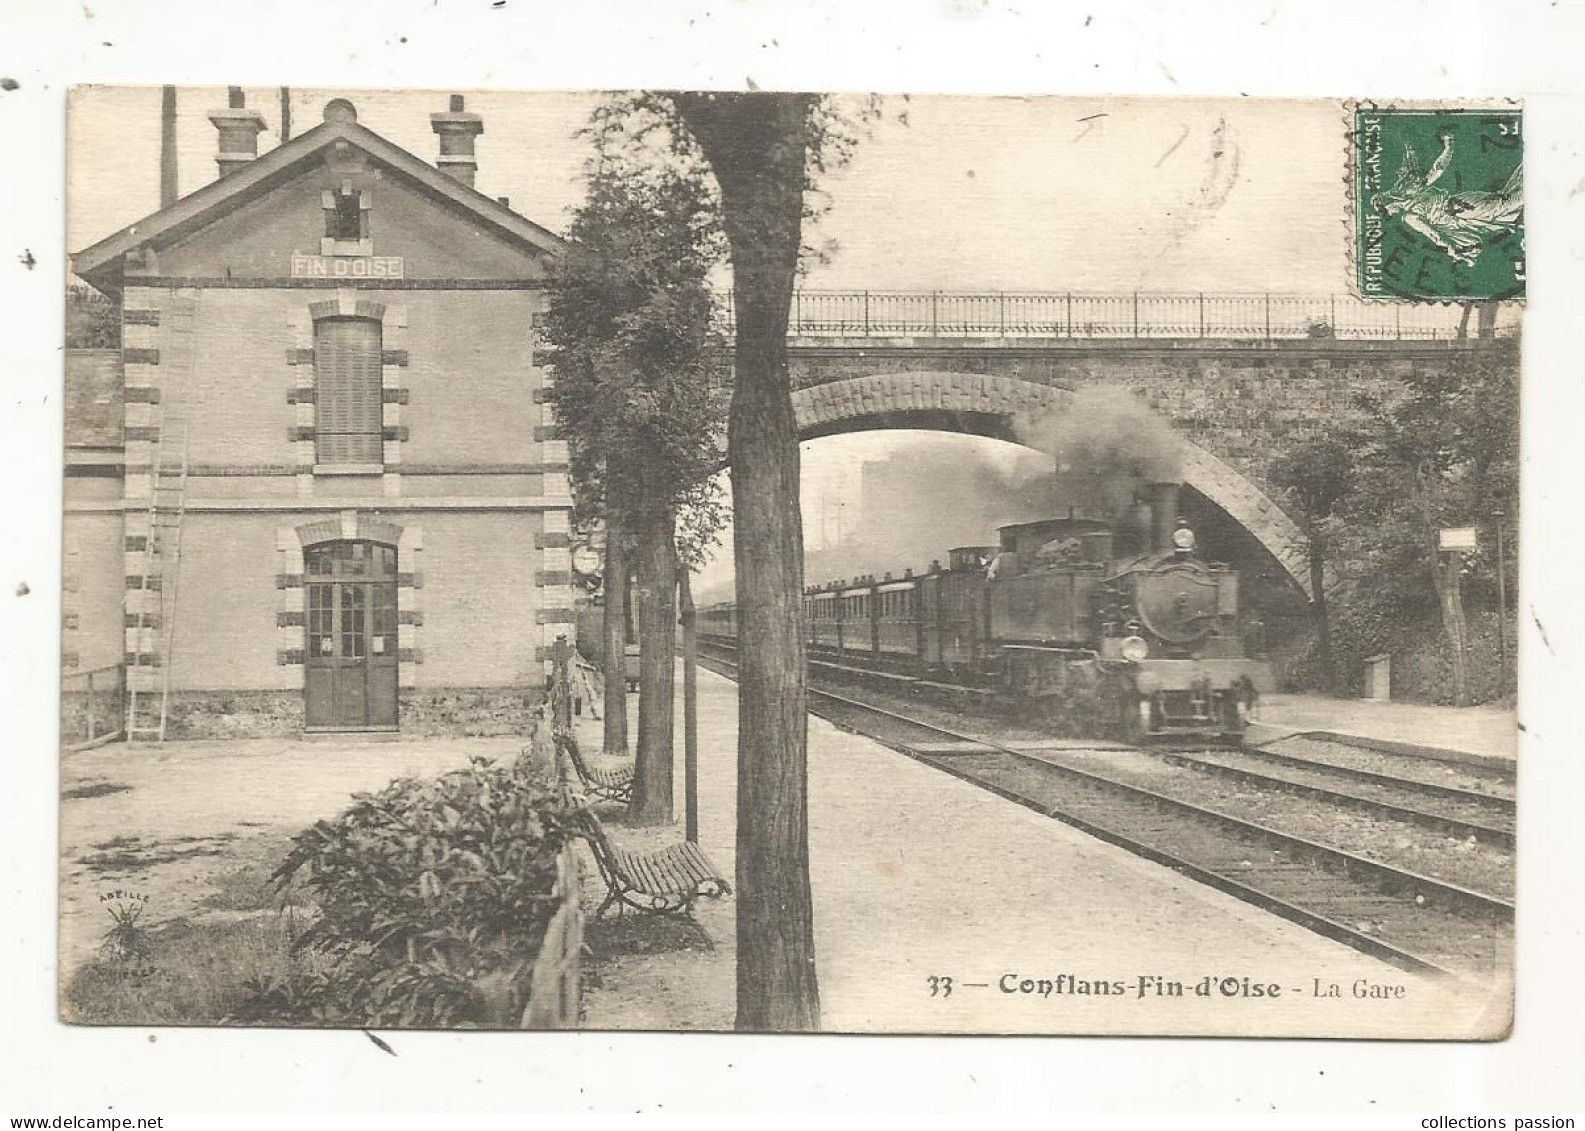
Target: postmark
(1437, 203)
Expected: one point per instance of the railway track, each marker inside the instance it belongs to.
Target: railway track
(1460, 812)
(1413, 921)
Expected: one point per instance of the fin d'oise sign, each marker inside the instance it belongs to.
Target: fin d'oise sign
(346, 266)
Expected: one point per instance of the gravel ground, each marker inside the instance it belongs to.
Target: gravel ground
(1397, 765)
(166, 821)
(1457, 860)
(1476, 808)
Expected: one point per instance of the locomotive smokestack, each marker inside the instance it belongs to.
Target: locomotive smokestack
(1163, 500)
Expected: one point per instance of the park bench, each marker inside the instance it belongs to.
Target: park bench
(614, 784)
(666, 881)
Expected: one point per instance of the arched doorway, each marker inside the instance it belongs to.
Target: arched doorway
(350, 654)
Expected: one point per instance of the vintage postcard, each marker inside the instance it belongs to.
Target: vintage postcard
(687, 561)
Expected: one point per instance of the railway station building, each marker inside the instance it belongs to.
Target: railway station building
(314, 486)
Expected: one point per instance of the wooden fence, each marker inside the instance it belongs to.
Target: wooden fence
(93, 706)
(556, 982)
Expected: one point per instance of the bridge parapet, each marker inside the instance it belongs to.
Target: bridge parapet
(1089, 316)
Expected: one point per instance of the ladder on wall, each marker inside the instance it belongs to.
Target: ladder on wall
(154, 625)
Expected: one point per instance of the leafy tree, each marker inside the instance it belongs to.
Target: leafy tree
(756, 145)
(1316, 476)
(629, 331)
(764, 155)
(766, 152)
(1444, 453)
(92, 320)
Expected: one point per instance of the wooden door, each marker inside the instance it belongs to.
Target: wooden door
(351, 655)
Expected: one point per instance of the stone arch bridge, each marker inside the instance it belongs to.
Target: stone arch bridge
(1236, 403)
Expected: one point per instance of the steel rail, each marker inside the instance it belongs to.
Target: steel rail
(1489, 834)
(1396, 877)
(1353, 865)
(1427, 787)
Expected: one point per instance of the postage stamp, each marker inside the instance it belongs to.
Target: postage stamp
(1438, 204)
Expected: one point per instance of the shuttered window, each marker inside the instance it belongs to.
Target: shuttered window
(347, 416)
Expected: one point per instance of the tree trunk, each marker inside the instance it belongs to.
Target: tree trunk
(1445, 578)
(615, 626)
(1323, 625)
(688, 616)
(755, 144)
(1486, 320)
(1450, 599)
(657, 641)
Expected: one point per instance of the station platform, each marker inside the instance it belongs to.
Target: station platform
(1485, 734)
(917, 875)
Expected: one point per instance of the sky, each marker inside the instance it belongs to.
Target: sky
(967, 194)
(1058, 194)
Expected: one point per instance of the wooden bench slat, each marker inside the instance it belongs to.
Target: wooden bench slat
(666, 880)
(614, 783)
(627, 867)
(645, 876)
(676, 875)
(689, 866)
(698, 864)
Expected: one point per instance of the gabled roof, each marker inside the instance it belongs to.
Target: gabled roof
(101, 263)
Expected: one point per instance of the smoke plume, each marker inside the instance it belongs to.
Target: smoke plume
(925, 498)
(1106, 444)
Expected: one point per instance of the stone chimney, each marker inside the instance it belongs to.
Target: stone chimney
(239, 130)
(457, 129)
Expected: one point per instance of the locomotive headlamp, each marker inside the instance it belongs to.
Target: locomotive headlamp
(1134, 649)
(1183, 538)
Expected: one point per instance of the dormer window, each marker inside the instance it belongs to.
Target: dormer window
(346, 221)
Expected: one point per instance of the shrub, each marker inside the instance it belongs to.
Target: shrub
(191, 974)
(434, 898)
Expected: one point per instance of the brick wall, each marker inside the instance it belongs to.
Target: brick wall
(226, 605)
(256, 241)
(472, 377)
(481, 605)
(92, 585)
(479, 601)
(238, 413)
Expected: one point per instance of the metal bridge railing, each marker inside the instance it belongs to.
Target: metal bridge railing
(1026, 314)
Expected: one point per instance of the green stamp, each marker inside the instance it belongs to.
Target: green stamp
(1438, 204)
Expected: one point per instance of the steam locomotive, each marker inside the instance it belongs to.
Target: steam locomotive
(1106, 627)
